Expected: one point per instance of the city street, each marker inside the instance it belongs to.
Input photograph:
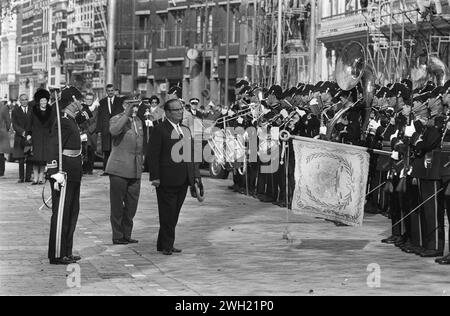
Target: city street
(232, 245)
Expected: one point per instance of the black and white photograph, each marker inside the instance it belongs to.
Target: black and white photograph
(224, 154)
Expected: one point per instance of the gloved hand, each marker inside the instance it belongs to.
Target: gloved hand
(395, 155)
(240, 120)
(148, 123)
(373, 127)
(301, 113)
(86, 115)
(60, 180)
(28, 138)
(410, 130)
(84, 137)
(323, 130)
(395, 135)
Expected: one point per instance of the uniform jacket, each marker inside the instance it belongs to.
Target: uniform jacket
(70, 134)
(126, 158)
(103, 118)
(21, 125)
(428, 148)
(161, 164)
(5, 125)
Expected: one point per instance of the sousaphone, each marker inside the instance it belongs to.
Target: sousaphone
(352, 68)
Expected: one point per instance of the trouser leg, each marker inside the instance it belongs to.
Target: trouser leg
(73, 213)
(118, 189)
(415, 222)
(105, 159)
(168, 209)
(395, 211)
(2, 165)
(131, 204)
(432, 215)
(22, 169)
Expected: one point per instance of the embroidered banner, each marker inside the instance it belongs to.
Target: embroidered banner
(331, 180)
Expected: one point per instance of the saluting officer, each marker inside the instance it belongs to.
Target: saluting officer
(66, 185)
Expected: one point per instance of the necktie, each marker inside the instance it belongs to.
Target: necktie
(24, 109)
(180, 133)
(109, 104)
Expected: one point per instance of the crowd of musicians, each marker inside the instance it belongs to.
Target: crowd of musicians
(411, 185)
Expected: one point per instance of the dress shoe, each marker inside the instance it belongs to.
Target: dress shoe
(167, 252)
(74, 258)
(35, 183)
(400, 241)
(282, 204)
(131, 241)
(443, 260)
(120, 242)
(418, 250)
(266, 199)
(21, 181)
(431, 254)
(390, 240)
(28, 181)
(407, 247)
(62, 261)
(176, 250)
(104, 174)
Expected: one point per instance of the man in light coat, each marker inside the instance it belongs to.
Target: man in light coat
(125, 170)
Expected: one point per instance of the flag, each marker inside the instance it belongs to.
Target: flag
(331, 180)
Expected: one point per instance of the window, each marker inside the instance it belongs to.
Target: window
(178, 29)
(162, 32)
(234, 23)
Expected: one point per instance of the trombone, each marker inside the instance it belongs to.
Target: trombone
(242, 113)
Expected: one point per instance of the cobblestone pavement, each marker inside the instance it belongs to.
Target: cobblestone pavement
(232, 245)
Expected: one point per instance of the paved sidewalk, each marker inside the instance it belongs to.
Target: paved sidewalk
(232, 245)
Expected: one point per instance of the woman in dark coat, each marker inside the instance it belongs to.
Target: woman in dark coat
(40, 131)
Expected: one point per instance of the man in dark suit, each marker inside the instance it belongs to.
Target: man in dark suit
(21, 118)
(170, 177)
(109, 106)
(5, 125)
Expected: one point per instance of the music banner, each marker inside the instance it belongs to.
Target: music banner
(331, 180)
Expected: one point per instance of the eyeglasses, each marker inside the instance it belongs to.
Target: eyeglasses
(176, 110)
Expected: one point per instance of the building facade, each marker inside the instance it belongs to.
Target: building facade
(396, 36)
(84, 58)
(9, 53)
(152, 52)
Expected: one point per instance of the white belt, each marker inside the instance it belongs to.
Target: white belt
(72, 153)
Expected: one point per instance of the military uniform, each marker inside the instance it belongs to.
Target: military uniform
(426, 168)
(64, 219)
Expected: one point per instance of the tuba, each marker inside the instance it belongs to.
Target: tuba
(352, 68)
(434, 68)
(438, 69)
